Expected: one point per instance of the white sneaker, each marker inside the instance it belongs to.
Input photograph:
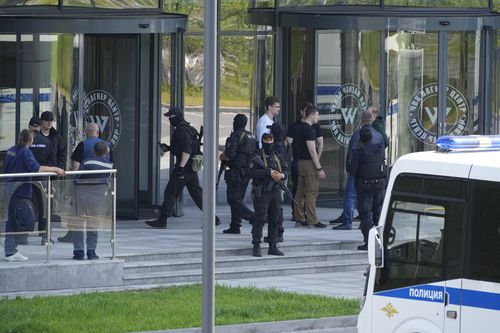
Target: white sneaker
(16, 257)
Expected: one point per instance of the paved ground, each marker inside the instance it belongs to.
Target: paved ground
(185, 234)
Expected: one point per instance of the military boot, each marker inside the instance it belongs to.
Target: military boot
(273, 250)
(256, 252)
(160, 222)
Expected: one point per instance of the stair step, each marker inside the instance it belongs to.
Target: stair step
(241, 261)
(195, 275)
(313, 247)
(328, 330)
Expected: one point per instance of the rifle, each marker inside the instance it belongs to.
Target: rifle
(222, 167)
(283, 187)
(200, 135)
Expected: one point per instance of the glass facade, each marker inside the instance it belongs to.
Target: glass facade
(342, 62)
(428, 76)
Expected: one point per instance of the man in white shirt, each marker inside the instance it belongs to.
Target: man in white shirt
(272, 104)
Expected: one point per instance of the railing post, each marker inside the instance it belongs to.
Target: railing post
(49, 214)
(113, 220)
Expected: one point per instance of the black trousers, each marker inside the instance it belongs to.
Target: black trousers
(237, 182)
(267, 206)
(369, 207)
(175, 187)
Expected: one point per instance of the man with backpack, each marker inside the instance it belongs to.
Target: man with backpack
(185, 145)
(241, 147)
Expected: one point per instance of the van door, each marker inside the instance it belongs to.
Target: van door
(480, 294)
(452, 306)
(423, 240)
(410, 296)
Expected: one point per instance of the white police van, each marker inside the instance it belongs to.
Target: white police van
(435, 256)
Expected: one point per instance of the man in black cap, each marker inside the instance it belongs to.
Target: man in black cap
(241, 147)
(42, 148)
(268, 169)
(369, 171)
(45, 154)
(184, 144)
(51, 133)
(282, 147)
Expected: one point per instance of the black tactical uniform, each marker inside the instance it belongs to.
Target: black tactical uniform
(369, 170)
(240, 148)
(266, 196)
(282, 147)
(183, 140)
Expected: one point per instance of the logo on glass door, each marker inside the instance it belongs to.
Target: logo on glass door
(101, 108)
(423, 113)
(347, 103)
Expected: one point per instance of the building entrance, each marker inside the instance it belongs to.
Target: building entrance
(103, 69)
(428, 75)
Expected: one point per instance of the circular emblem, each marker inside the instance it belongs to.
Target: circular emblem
(423, 113)
(347, 103)
(101, 108)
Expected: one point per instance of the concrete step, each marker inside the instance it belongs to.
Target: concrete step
(329, 330)
(344, 324)
(194, 275)
(240, 261)
(287, 248)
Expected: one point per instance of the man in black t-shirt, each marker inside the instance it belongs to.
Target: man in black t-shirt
(310, 171)
(290, 136)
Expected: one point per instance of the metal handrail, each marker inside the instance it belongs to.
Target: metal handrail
(49, 180)
(42, 174)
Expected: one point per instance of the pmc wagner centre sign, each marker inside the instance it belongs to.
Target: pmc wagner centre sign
(347, 104)
(101, 108)
(423, 113)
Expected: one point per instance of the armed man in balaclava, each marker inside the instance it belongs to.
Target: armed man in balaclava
(240, 148)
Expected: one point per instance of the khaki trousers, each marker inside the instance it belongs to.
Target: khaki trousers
(307, 192)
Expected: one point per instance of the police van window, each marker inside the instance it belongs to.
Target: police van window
(428, 185)
(422, 227)
(414, 241)
(484, 258)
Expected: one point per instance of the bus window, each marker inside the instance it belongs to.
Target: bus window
(484, 259)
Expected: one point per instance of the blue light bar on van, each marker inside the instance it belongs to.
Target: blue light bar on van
(469, 142)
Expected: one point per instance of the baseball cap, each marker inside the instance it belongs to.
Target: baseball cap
(277, 129)
(47, 116)
(173, 112)
(267, 136)
(35, 121)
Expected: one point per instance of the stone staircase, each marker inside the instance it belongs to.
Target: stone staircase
(178, 267)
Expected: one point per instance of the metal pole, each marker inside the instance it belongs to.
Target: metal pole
(48, 227)
(210, 152)
(113, 220)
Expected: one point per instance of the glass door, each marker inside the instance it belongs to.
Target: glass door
(111, 91)
(414, 118)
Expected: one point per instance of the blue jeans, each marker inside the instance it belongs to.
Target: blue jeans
(349, 201)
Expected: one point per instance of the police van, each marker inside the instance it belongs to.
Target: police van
(435, 256)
